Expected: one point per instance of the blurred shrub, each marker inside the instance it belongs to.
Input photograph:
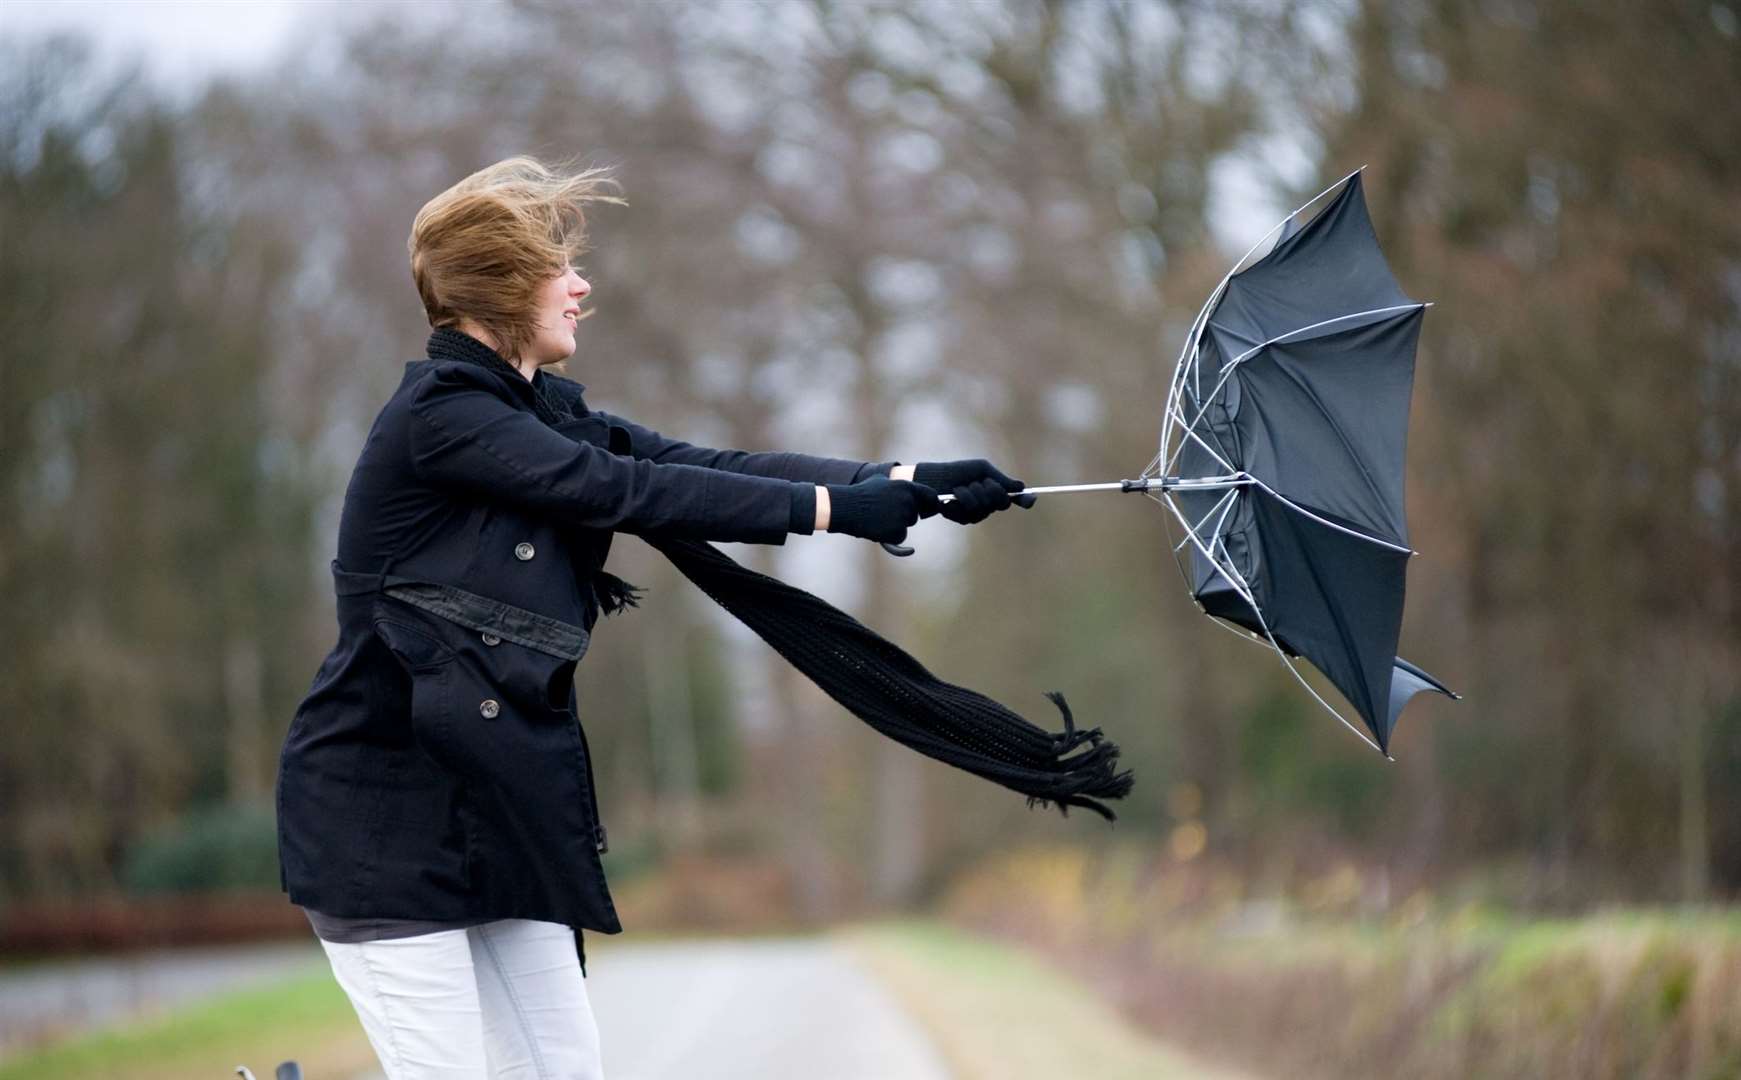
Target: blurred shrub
(217, 847)
(703, 892)
(1278, 988)
(1296, 772)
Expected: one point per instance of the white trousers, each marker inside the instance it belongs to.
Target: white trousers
(503, 999)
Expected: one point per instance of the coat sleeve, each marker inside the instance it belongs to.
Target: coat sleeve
(785, 465)
(465, 438)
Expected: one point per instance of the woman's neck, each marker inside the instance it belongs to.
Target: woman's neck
(525, 367)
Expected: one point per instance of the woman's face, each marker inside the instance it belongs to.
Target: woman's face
(557, 314)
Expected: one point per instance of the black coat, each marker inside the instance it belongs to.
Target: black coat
(438, 767)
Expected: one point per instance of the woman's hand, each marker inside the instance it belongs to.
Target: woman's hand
(980, 489)
(876, 509)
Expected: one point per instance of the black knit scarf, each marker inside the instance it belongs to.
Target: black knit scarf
(870, 676)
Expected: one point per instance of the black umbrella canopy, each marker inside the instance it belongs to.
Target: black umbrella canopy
(1290, 414)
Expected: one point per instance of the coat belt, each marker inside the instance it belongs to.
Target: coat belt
(481, 613)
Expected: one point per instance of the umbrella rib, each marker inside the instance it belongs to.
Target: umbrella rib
(1232, 429)
(1204, 520)
(1240, 586)
(1198, 439)
(1279, 338)
(1232, 575)
(1298, 509)
(1217, 537)
(1154, 461)
(1238, 631)
(1161, 496)
(1226, 457)
(1178, 563)
(1227, 371)
(1331, 708)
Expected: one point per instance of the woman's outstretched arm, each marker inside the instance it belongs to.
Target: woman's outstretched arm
(780, 464)
(464, 437)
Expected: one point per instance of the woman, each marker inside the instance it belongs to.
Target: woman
(437, 815)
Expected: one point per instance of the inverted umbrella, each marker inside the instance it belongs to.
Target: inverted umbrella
(1281, 456)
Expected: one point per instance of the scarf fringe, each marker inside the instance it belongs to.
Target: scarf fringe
(614, 594)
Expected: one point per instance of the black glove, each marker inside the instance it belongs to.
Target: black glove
(879, 508)
(980, 490)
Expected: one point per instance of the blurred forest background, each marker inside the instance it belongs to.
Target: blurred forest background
(912, 231)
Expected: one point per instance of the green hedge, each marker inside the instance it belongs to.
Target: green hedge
(217, 847)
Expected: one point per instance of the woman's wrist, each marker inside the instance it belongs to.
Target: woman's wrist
(902, 472)
(822, 508)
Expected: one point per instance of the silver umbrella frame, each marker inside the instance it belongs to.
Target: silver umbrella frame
(1178, 428)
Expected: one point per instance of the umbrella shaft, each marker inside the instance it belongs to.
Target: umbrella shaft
(1118, 485)
(1160, 483)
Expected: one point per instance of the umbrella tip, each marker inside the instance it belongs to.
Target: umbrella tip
(1388, 758)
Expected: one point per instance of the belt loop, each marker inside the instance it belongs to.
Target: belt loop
(354, 583)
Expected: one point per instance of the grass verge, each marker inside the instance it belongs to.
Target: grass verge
(996, 1010)
(306, 1017)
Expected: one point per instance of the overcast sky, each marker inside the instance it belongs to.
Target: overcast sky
(182, 41)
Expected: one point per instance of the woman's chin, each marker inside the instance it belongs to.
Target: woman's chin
(560, 351)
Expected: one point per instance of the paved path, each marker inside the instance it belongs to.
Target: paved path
(770, 1009)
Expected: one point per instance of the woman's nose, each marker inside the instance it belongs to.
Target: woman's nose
(581, 286)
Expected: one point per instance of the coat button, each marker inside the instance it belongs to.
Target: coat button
(490, 708)
(524, 551)
(491, 639)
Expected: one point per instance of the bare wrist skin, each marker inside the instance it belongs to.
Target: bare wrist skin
(902, 472)
(822, 507)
